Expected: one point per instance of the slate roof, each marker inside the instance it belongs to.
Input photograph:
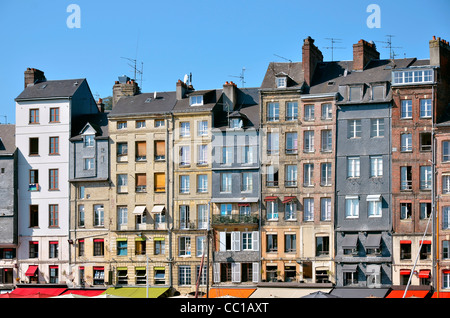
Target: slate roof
(210, 99)
(51, 89)
(144, 104)
(293, 70)
(7, 139)
(98, 121)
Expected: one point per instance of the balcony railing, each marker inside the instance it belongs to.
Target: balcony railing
(235, 219)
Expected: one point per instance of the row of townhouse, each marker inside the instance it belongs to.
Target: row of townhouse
(326, 175)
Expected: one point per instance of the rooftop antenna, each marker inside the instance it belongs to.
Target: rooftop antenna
(240, 76)
(389, 46)
(135, 69)
(332, 47)
(286, 59)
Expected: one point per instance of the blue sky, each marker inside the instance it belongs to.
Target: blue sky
(214, 40)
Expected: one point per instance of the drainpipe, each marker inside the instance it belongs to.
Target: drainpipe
(170, 175)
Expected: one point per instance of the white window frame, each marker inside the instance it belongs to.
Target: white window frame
(353, 167)
(376, 166)
(351, 207)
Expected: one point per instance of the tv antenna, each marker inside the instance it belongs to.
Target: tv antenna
(240, 76)
(332, 47)
(388, 43)
(286, 59)
(135, 69)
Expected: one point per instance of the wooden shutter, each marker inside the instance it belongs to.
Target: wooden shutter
(141, 149)
(255, 240)
(216, 270)
(141, 179)
(255, 272)
(160, 148)
(235, 241)
(160, 181)
(222, 241)
(236, 272)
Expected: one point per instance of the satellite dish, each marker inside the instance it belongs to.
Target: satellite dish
(154, 95)
(186, 78)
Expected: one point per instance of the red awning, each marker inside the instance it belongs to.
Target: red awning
(270, 198)
(37, 292)
(243, 204)
(84, 292)
(405, 272)
(409, 293)
(424, 242)
(424, 273)
(31, 270)
(405, 242)
(441, 295)
(288, 199)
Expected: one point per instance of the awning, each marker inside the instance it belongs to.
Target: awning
(38, 292)
(405, 272)
(346, 292)
(350, 241)
(441, 295)
(137, 292)
(349, 268)
(269, 198)
(288, 199)
(243, 204)
(140, 209)
(234, 200)
(424, 273)
(405, 242)
(234, 292)
(373, 241)
(409, 293)
(158, 208)
(424, 242)
(31, 270)
(84, 292)
(280, 292)
(373, 197)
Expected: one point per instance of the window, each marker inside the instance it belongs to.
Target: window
(322, 245)
(406, 109)
(272, 210)
(184, 184)
(291, 143)
(202, 156)
(81, 247)
(247, 181)
(244, 209)
(272, 176)
(203, 128)
(405, 250)
(184, 246)
(419, 76)
(325, 209)
(140, 124)
(281, 82)
(140, 246)
(34, 249)
(308, 141)
(184, 275)
(196, 100)
(354, 128)
(34, 146)
(99, 215)
(425, 178)
(406, 142)
(374, 205)
(235, 123)
(308, 171)
(290, 210)
(34, 116)
(405, 211)
(271, 243)
(225, 209)
(405, 178)
(247, 154)
(425, 108)
(185, 129)
(122, 183)
(122, 247)
(81, 216)
(53, 176)
(273, 143)
(159, 247)
(225, 182)
(290, 243)
(425, 141)
(54, 114)
(88, 163)
(159, 123)
(247, 244)
(141, 182)
(202, 183)
(327, 112)
(34, 179)
(351, 207)
(309, 113)
(89, 141)
(227, 155)
(291, 111)
(446, 151)
(446, 184)
(121, 125)
(308, 209)
(291, 176)
(354, 93)
(446, 250)
(160, 182)
(325, 174)
(99, 248)
(122, 217)
(185, 155)
(377, 92)
(141, 150)
(377, 127)
(376, 166)
(202, 216)
(53, 215)
(425, 210)
(200, 246)
(353, 167)
(326, 140)
(34, 215)
(160, 150)
(273, 112)
(122, 152)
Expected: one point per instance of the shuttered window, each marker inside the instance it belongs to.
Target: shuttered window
(160, 150)
(141, 182)
(160, 182)
(141, 150)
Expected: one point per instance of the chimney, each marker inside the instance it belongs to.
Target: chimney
(311, 55)
(181, 90)
(363, 52)
(101, 105)
(439, 52)
(124, 87)
(229, 96)
(33, 76)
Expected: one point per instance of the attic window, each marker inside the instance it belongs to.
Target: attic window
(236, 123)
(196, 100)
(354, 93)
(148, 100)
(281, 82)
(377, 92)
(89, 140)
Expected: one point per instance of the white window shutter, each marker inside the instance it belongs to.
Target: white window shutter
(235, 241)
(255, 272)
(222, 241)
(236, 272)
(216, 269)
(255, 241)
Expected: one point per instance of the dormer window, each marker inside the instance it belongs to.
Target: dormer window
(281, 82)
(89, 141)
(196, 100)
(236, 123)
(377, 92)
(354, 93)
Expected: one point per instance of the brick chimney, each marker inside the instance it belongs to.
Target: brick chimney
(33, 76)
(124, 87)
(439, 52)
(229, 96)
(181, 90)
(100, 105)
(311, 55)
(363, 52)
